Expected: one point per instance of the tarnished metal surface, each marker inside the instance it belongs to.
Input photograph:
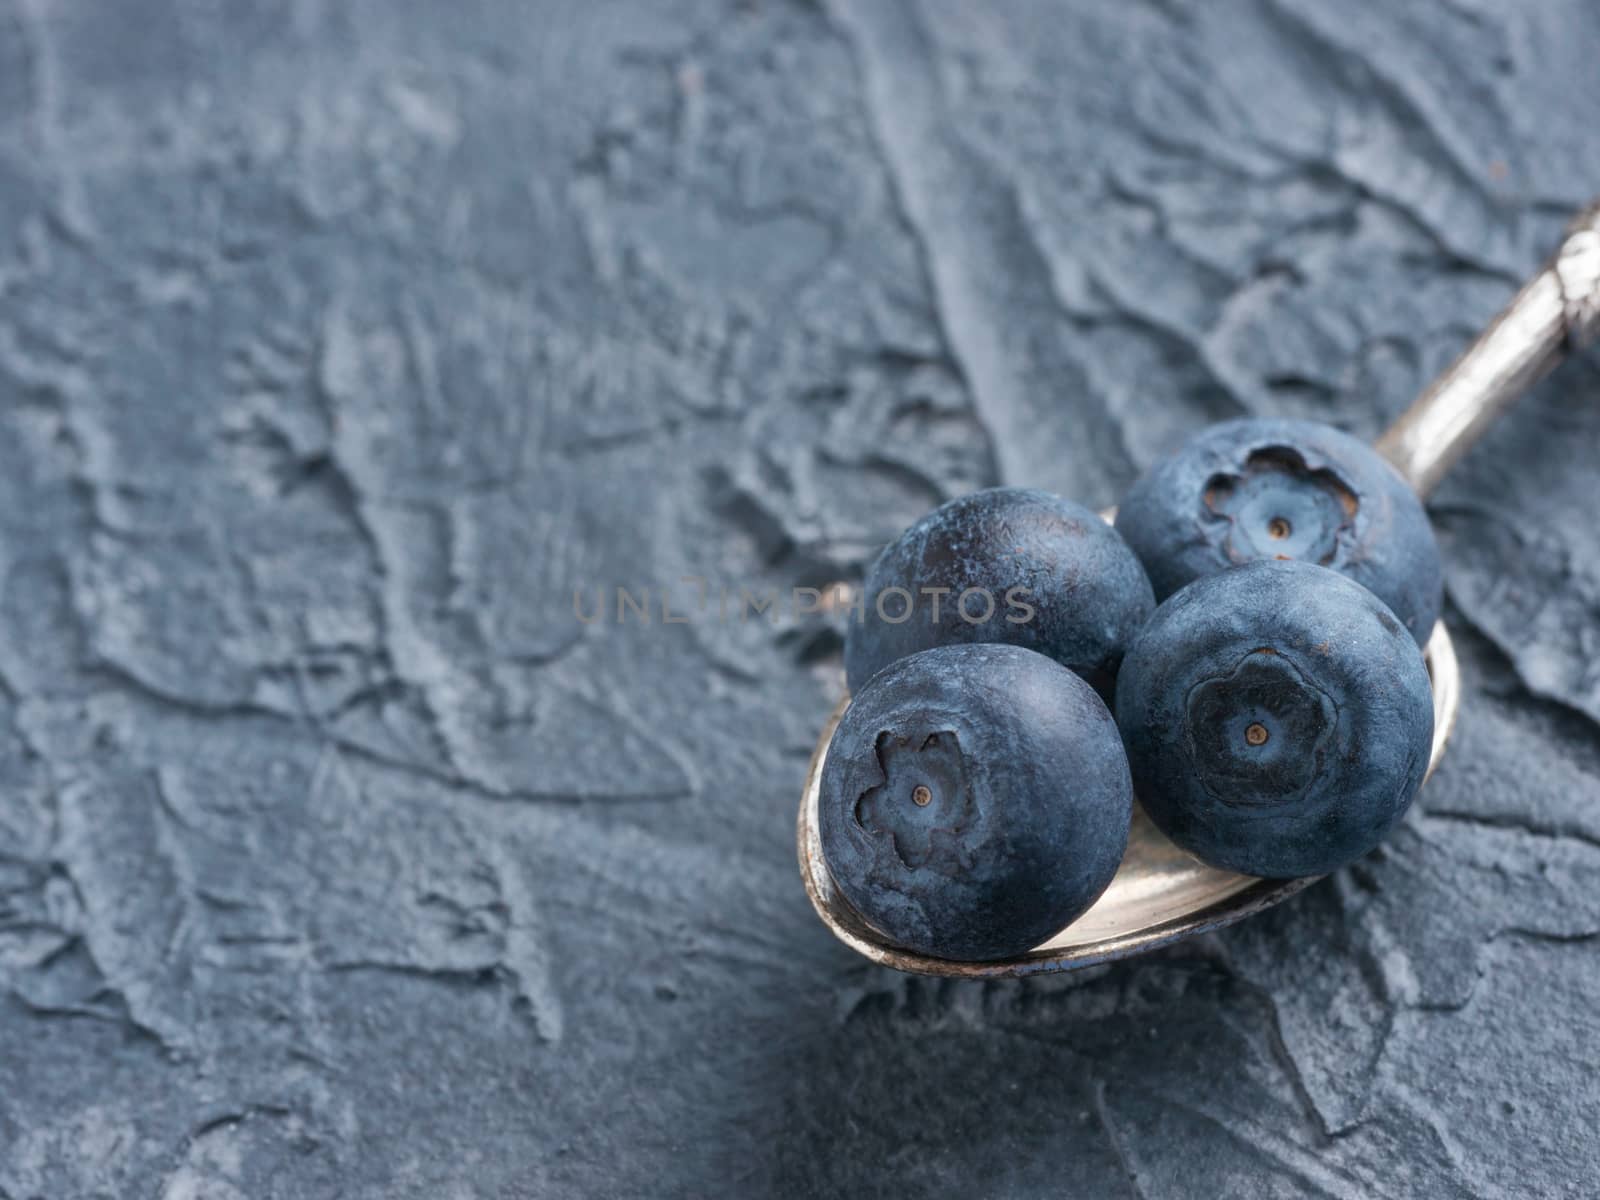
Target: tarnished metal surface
(1555, 315)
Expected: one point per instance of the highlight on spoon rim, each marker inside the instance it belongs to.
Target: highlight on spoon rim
(1160, 893)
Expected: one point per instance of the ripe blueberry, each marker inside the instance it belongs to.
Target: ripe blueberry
(1277, 718)
(1009, 565)
(1252, 489)
(974, 801)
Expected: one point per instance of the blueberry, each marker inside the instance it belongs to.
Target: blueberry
(1008, 565)
(1251, 489)
(974, 801)
(1277, 717)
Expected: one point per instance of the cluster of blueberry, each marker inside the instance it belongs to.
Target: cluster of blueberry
(1273, 713)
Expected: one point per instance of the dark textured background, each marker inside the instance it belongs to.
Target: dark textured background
(340, 341)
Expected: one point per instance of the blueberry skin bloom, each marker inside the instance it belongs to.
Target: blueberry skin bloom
(1277, 717)
(1009, 565)
(1254, 488)
(974, 801)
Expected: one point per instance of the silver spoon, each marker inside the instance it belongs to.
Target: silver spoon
(1160, 893)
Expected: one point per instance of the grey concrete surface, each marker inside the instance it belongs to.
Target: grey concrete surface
(340, 342)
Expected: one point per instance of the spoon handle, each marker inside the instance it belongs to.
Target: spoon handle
(1556, 314)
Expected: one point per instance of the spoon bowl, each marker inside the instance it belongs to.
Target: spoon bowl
(1159, 895)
